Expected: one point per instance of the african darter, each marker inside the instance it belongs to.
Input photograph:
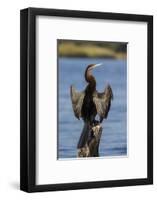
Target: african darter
(88, 103)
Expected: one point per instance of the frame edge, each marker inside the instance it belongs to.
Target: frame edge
(23, 100)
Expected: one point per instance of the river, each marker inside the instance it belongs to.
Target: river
(114, 137)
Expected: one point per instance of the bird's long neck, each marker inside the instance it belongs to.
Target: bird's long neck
(90, 79)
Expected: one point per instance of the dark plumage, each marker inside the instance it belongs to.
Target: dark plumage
(88, 103)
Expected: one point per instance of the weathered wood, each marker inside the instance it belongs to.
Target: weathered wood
(91, 148)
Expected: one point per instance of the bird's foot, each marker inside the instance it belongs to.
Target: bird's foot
(95, 122)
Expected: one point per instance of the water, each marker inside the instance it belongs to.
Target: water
(114, 137)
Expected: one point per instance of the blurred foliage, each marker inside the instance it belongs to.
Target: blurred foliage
(74, 48)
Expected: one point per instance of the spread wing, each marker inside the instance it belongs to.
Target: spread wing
(77, 101)
(103, 102)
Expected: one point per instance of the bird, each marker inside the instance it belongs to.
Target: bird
(89, 103)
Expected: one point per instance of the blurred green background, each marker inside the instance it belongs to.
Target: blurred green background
(77, 48)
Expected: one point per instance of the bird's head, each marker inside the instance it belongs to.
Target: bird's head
(92, 66)
(88, 71)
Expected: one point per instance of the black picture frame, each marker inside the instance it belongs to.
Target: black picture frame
(28, 99)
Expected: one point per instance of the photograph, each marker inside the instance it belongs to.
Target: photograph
(86, 99)
(92, 99)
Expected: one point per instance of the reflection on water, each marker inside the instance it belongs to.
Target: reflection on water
(114, 137)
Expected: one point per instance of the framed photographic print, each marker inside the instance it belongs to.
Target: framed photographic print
(86, 99)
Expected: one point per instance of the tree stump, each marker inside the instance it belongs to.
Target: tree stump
(91, 148)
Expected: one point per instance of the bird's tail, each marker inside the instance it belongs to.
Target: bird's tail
(84, 136)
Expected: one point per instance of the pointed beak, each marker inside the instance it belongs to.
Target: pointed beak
(96, 65)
